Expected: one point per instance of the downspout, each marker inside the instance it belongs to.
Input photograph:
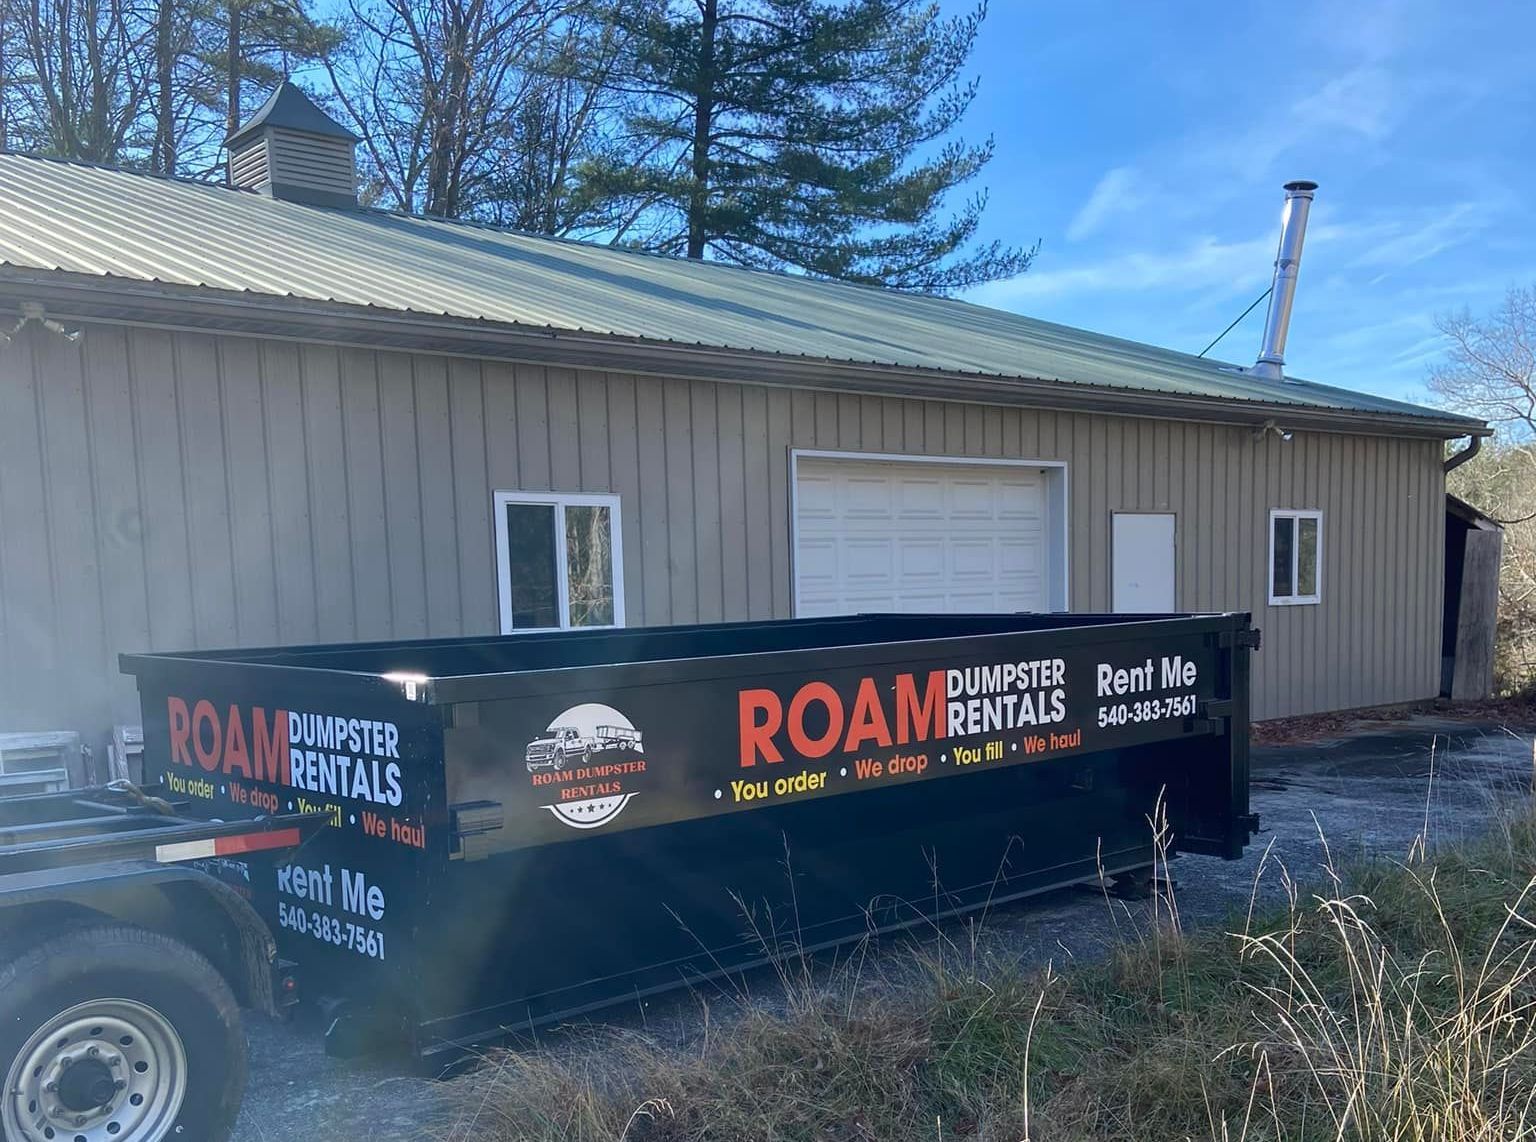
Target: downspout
(1458, 459)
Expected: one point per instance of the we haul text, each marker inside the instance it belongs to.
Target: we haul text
(326, 754)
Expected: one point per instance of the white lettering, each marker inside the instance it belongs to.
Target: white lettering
(358, 896)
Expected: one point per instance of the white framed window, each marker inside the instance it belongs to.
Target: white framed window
(559, 561)
(1295, 557)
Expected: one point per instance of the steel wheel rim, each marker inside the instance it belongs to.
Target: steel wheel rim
(120, 1043)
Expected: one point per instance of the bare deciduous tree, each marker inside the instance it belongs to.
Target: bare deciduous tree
(1489, 371)
(566, 117)
(78, 76)
(1502, 483)
(434, 87)
(1490, 367)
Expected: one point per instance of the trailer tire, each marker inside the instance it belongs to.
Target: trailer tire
(119, 1008)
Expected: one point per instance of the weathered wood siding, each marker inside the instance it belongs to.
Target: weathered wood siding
(167, 490)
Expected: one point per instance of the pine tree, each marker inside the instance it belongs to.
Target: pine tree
(810, 135)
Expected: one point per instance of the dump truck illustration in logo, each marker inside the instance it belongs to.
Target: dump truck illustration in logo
(597, 753)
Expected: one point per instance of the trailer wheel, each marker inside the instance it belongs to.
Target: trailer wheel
(116, 1033)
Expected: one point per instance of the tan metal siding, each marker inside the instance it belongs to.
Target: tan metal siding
(163, 490)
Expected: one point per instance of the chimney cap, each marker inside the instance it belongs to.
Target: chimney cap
(288, 107)
(1301, 184)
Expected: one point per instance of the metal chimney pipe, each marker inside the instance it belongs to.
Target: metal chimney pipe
(1293, 231)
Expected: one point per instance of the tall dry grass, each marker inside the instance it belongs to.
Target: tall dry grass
(1387, 1001)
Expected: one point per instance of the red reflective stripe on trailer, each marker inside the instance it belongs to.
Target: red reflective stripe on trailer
(254, 842)
(226, 846)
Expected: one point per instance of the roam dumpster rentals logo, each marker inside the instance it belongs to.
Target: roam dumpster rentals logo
(588, 758)
(819, 720)
(900, 727)
(327, 763)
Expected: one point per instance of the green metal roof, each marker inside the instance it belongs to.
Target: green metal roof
(73, 222)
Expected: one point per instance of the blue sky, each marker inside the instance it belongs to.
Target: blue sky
(1145, 145)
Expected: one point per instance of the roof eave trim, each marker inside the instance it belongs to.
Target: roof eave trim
(202, 309)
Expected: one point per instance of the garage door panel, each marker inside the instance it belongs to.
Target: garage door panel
(868, 497)
(920, 498)
(1020, 503)
(1016, 601)
(891, 535)
(961, 601)
(1020, 559)
(867, 567)
(921, 558)
(816, 498)
(974, 498)
(973, 557)
(817, 558)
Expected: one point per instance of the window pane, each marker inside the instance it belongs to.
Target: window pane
(589, 565)
(531, 563)
(1283, 547)
(1306, 557)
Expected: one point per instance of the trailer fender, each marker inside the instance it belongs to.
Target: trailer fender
(176, 900)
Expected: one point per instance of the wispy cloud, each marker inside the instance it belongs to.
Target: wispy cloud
(1412, 240)
(1199, 264)
(1116, 193)
(1361, 101)
(1208, 263)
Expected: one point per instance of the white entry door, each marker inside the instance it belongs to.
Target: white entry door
(1142, 554)
(888, 535)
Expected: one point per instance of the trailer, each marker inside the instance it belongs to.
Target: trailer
(622, 738)
(725, 791)
(124, 962)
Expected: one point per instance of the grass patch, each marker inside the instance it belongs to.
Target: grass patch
(1391, 1001)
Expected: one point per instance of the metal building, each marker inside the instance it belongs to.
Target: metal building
(286, 420)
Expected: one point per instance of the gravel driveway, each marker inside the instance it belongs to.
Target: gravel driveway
(1374, 791)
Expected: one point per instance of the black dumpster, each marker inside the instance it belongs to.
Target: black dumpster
(528, 827)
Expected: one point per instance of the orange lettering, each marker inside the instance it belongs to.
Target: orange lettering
(181, 729)
(271, 748)
(204, 712)
(804, 744)
(757, 736)
(867, 723)
(919, 720)
(235, 754)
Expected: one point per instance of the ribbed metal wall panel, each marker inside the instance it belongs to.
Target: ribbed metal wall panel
(164, 490)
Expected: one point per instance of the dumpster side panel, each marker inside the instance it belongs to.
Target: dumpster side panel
(736, 734)
(795, 799)
(232, 741)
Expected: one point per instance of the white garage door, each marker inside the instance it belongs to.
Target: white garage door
(883, 535)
